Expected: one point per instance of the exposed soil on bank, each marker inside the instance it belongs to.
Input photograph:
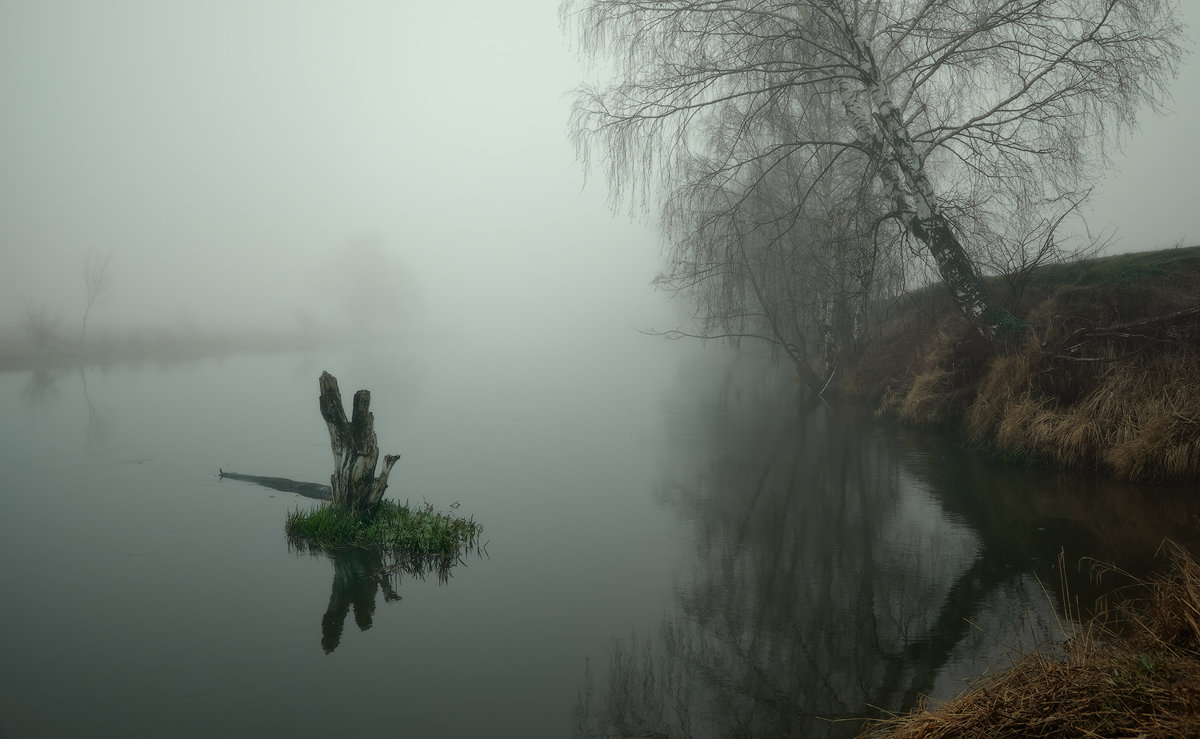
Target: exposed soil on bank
(1107, 377)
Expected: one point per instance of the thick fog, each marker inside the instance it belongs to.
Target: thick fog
(284, 164)
(259, 163)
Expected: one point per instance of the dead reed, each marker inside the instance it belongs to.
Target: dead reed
(1137, 418)
(1108, 378)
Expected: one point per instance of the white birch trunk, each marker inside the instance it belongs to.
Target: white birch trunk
(918, 201)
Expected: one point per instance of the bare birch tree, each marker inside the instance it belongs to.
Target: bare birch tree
(787, 250)
(1015, 244)
(953, 109)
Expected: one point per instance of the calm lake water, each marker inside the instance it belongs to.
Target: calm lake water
(675, 544)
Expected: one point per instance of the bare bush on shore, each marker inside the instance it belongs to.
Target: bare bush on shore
(40, 324)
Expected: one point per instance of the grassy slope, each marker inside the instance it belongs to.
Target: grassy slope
(1078, 393)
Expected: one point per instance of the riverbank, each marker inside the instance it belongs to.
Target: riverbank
(1107, 379)
(1139, 676)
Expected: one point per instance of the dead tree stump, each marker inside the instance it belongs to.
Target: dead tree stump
(353, 484)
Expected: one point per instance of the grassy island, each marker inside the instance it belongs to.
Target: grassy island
(397, 530)
(358, 516)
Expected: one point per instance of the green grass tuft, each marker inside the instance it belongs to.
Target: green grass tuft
(1135, 266)
(419, 533)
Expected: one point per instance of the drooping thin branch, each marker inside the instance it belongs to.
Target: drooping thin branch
(950, 114)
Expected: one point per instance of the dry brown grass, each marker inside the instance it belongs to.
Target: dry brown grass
(943, 386)
(925, 402)
(1138, 418)
(1108, 380)
(1142, 682)
(1006, 382)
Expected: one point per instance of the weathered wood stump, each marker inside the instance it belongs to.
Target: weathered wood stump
(355, 450)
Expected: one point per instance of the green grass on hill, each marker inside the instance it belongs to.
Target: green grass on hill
(1120, 268)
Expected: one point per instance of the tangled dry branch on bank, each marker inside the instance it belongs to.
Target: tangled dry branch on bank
(1179, 330)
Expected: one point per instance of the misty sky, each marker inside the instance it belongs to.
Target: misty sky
(229, 154)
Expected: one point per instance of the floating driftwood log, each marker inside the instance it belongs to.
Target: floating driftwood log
(307, 489)
(353, 484)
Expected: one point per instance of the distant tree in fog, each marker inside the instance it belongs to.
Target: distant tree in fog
(96, 282)
(40, 324)
(370, 285)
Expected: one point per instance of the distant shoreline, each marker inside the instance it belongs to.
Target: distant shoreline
(20, 354)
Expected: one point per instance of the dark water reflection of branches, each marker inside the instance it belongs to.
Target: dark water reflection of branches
(96, 426)
(43, 387)
(358, 577)
(838, 574)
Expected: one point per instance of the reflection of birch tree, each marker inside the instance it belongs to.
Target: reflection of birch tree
(829, 584)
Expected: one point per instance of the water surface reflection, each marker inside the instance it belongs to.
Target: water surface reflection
(358, 575)
(843, 568)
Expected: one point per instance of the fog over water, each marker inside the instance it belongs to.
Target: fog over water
(295, 164)
(232, 156)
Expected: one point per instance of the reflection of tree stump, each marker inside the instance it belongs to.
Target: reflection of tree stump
(355, 450)
(357, 576)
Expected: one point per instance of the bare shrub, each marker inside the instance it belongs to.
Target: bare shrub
(40, 324)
